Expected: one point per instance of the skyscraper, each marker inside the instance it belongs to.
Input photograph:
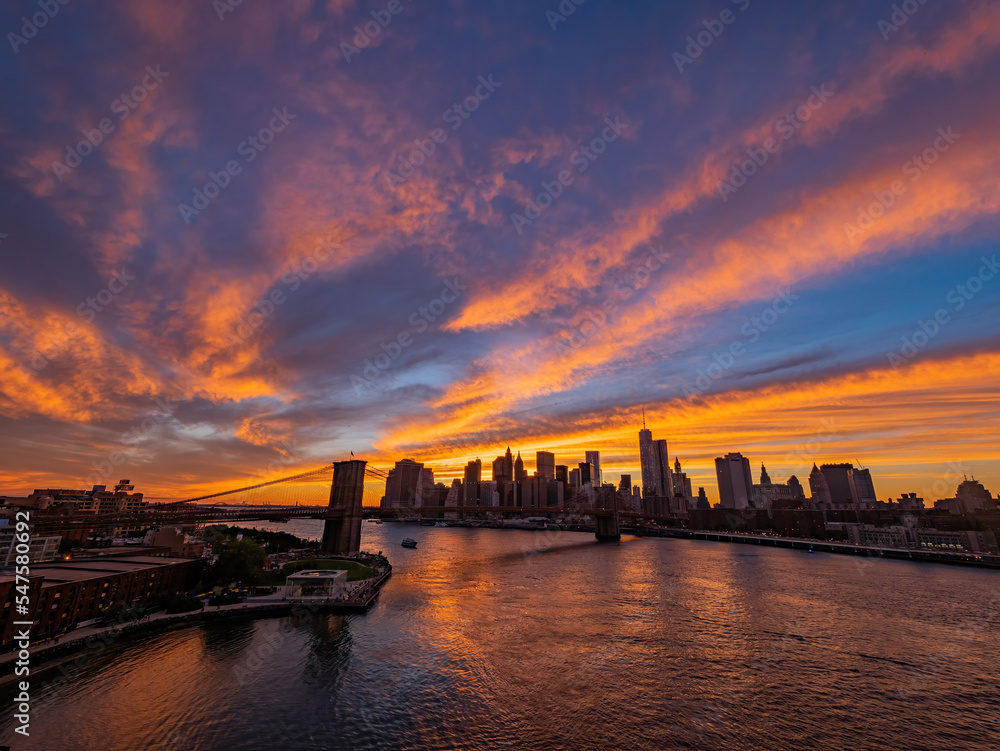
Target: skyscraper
(735, 483)
(655, 466)
(519, 473)
(594, 457)
(401, 485)
(503, 467)
(819, 489)
(849, 486)
(682, 483)
(474, 471)
(545, 464)
(470, 486)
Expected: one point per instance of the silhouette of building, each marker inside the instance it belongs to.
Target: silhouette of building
(503, 467)
(545, 464)
(819, 489)
(849, 487)
(655, 466)
(406, 485)
(735, 484)
(474, 471)
(682, 485)
(970, 496)
(594, 458)
(768, 494)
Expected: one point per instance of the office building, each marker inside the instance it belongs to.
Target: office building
(545, 464)
(735, 484)
(594, 458)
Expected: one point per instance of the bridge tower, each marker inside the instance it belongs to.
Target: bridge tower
(342, 531)
(606, 526)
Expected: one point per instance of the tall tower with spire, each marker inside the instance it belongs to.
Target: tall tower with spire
(657, 481)
(819, 487)
(503, 467)
(519, 473)
(765, 479)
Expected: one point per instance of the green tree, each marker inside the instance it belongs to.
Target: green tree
(241, 561)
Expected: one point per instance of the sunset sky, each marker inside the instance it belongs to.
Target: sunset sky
(838, 299)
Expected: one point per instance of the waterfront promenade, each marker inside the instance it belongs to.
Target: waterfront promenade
(358, 597)
(957, 558)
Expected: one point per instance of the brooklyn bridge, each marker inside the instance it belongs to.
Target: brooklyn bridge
(342, 494)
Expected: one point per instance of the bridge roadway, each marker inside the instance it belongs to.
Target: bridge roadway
(205, 514)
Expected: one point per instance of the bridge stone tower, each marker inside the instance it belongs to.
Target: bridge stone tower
(342, 531)
(606, 527)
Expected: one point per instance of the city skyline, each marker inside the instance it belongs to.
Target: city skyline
(210, 278)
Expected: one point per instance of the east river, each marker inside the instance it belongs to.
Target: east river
(500, 639)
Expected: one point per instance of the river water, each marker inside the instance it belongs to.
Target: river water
(503, 639)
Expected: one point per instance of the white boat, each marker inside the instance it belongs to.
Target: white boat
(442, 524)
(409, 542)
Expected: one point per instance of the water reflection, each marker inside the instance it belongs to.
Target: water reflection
(499, 639)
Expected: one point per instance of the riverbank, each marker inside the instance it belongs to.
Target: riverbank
(358, 600)
(827, 546)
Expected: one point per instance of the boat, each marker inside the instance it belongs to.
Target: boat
(409, 542)
(442, 524)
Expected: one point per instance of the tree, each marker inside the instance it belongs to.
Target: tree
(241, 561)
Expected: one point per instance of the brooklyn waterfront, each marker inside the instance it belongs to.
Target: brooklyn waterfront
(503, 639)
